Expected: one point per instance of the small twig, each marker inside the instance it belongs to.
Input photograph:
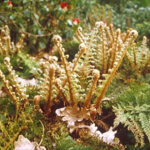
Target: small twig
(30, 34)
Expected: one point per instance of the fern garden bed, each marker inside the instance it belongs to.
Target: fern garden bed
(98, 100)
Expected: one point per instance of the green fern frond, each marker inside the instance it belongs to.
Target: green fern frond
(132, 109)
(145, 124)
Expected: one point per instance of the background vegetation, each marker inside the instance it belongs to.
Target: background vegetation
(39, 20)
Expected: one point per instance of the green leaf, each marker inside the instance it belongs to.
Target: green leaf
(42, 45)
(25, 1)
(12, 17)
(2, 117)
(40, 31)
(27, 12)
(36, 16)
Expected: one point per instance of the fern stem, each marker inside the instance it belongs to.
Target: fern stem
(82, 50)
(143, 49)
(134, 54)
(115, 46)
(145, 66)
(58, 85)
(19, 44)
(133, 35)
(51, 80)
(79, 35)
(92, 88)
(57, 39)
(2, 34)
(112, 32)
(4, 50)
(19, 89)
(14, 98)
(8, 45)
(109, 35)
(103, 47)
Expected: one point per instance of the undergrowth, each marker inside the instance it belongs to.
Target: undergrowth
(73, 103)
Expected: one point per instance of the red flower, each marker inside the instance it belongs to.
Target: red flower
(63, 4)
(9, 3)
(76, 21)
(68, 6)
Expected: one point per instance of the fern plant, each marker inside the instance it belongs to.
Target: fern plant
(139, 57)
(132, 109)
(14, 105)
(6, 46)
(80, 85)
(92, 69)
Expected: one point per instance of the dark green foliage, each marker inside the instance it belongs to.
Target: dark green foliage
(145, 79)
(116, 87)
(38, 20)
(11, 127)
(25, 65)
(67, 143)
(143, 27)
(132, 109)
(130, 147)
(72, 49)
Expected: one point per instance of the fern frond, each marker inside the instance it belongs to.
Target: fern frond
(145, 124)
(136, 129)
(133, 111)
(139, 56)
(92, 88)
(8, 48)
(20, 91)
(57, 40)
(14, 98)
(112, 71)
